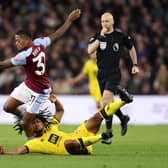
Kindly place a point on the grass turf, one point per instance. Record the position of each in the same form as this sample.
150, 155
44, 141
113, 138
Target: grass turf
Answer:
142, 147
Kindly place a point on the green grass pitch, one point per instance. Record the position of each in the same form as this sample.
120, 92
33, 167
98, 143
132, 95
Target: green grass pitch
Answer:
142, 147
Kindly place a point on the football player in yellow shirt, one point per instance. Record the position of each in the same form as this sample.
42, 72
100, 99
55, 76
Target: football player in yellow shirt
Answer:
49, 140
90, 70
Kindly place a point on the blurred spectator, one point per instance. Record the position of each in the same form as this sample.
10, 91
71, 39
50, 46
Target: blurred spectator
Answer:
145, 21
161, 80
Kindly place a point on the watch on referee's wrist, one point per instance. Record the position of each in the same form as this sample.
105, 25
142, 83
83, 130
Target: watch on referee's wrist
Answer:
135, 65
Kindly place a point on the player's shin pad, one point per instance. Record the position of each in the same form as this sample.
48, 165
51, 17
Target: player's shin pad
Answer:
110, 109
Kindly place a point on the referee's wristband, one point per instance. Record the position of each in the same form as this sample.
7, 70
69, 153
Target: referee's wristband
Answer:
100, 38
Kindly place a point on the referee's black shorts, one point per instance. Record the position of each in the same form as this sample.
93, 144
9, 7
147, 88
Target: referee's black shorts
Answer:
108, 80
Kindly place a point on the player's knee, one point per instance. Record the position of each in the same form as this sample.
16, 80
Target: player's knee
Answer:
7, 108
96, 118
71, 146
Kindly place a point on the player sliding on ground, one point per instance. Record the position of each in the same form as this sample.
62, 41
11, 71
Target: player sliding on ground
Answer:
48, 139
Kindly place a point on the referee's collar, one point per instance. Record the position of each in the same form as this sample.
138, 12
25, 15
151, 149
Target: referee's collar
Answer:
109, 33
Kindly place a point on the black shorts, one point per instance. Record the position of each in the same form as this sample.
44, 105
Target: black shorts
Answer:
108, 80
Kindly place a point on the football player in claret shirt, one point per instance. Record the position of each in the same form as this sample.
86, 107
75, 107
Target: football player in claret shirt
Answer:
36, 87
49, 139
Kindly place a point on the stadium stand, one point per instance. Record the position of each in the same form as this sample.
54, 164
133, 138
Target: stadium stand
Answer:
145, 21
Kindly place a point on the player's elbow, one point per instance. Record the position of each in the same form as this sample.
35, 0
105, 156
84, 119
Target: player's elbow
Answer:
90, 50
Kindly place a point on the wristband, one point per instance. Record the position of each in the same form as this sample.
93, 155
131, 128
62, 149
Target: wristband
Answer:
135, 65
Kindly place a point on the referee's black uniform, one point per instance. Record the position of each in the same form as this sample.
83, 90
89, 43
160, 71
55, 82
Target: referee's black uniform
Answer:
108, 53
108, 57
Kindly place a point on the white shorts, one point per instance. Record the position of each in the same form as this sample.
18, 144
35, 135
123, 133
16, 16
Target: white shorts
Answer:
34, 100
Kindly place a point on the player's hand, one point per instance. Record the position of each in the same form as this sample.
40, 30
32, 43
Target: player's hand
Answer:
135, 70
1, 149
52, 98
75, 14
103, 31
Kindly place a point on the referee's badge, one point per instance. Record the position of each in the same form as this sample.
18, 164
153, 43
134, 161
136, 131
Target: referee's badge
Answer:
103, 45
116, 47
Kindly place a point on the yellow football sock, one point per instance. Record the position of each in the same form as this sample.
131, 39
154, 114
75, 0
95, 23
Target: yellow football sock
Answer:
111, 108
90, 140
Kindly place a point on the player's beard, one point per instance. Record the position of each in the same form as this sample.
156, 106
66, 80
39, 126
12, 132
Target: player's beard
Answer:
39, 133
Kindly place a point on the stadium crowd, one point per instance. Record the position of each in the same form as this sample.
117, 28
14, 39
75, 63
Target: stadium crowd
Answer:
145, 21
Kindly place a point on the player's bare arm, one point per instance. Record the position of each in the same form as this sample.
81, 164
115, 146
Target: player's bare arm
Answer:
76, 79
20, 150
59, 109
6, 64
135, 68
75, 14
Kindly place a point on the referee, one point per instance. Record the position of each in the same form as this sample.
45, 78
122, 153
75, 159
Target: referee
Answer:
108, 44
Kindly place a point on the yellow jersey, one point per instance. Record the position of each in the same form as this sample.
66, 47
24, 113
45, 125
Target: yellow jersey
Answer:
52, 141
90, 69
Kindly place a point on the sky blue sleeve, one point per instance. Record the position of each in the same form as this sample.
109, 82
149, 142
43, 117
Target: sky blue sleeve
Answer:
45, 41
20, 58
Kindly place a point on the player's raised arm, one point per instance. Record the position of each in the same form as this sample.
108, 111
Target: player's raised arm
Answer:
76, 79
6, 64
59, 109
75, 14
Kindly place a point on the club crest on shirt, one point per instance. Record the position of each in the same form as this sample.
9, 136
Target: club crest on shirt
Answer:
103, 45
116, 47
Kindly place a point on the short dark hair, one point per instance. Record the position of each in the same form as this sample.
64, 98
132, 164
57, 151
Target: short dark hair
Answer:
24, 33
